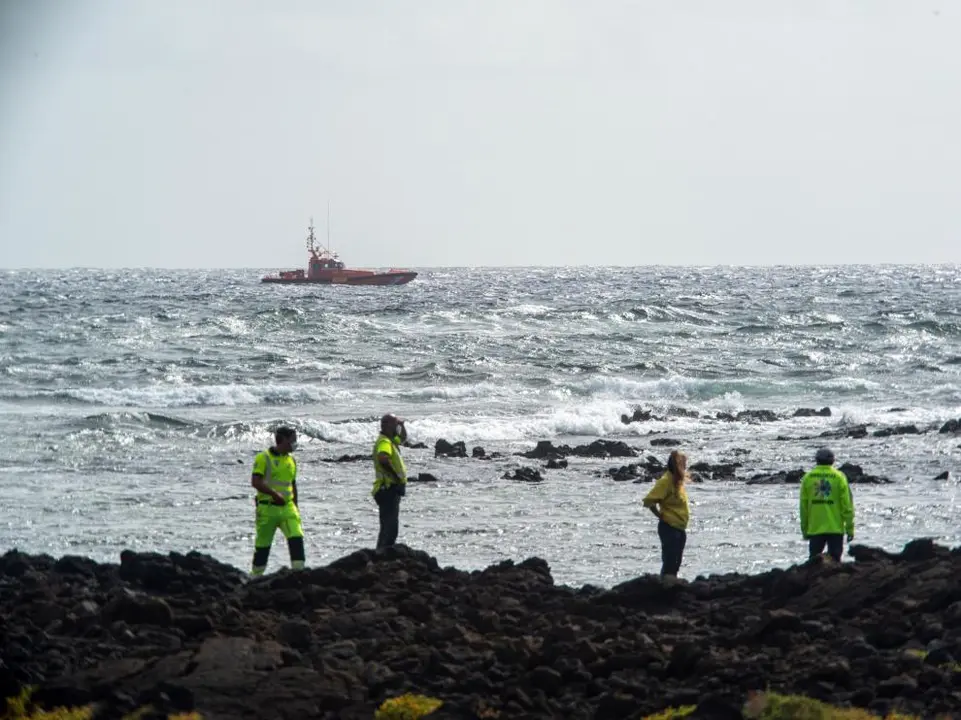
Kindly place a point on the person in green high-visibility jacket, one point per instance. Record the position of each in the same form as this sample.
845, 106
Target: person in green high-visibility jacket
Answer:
827, 507
274, 477
390, 477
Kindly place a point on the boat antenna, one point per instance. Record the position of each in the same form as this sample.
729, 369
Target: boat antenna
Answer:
328, 227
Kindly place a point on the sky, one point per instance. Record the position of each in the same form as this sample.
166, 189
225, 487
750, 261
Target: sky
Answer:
207, 133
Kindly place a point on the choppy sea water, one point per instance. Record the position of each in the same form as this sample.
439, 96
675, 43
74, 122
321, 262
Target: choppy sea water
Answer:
132, 403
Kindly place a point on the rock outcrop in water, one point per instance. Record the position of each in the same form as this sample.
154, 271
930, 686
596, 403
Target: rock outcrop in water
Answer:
652, 468
443, 448
951, 426
859, 431
524, 474
854, 474
665, 442
186, 632
597, 449
639, 415
346, 459
811, 412
897, 430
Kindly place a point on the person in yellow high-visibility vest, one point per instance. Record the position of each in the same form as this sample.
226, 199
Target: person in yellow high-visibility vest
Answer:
275, 478
390, 477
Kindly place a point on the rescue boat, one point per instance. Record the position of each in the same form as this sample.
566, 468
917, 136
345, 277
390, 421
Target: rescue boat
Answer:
324, 267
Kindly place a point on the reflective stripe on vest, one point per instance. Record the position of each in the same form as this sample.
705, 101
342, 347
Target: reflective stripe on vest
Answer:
286, 489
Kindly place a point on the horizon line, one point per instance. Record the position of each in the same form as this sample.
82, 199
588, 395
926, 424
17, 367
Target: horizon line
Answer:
499, 267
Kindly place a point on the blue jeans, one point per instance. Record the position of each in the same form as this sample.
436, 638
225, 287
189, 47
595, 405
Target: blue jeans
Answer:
672, 547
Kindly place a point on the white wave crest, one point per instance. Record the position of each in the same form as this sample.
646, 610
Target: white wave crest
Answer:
178, 395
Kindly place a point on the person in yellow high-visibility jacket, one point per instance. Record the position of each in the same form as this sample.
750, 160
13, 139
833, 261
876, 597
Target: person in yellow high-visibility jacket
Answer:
827, 507
390, 477
275, 478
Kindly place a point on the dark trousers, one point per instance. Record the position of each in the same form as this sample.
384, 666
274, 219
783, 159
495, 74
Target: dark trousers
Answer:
672, 547
835, 545
388, 502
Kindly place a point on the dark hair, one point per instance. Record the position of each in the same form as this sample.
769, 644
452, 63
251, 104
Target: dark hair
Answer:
676, 476
284, 433
387, 421
824, 456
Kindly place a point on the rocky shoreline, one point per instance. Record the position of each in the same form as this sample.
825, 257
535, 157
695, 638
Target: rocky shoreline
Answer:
185, 632
646, 467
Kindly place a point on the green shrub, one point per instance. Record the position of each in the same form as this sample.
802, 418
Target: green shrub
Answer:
407, 707
23, 708
771, 706
673, 713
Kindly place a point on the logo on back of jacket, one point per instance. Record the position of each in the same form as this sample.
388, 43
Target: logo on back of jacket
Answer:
822, 493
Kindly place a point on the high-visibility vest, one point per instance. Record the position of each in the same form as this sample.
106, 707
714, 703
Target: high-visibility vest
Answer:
280, 472
382, 478
827, 507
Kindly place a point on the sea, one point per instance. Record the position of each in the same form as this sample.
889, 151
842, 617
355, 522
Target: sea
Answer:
132, 404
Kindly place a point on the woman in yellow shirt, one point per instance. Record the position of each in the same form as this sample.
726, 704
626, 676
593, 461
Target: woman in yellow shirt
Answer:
668, 501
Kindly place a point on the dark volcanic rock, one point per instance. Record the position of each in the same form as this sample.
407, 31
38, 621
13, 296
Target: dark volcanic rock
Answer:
857, 432
554, 464
479, 453
811, 412
646, 471
442, 448
176, 573
899, 430
597, 449
787, 476
423, 477
525, 474
752, 416
854, 474
336, 641
137, 609
638, 415
546, 449
605, 448
946, 475
951, 426
665, 442
720, 471
346, 459
632, 472
756, 416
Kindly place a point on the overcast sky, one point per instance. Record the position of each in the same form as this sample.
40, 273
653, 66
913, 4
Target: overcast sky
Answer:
196, 133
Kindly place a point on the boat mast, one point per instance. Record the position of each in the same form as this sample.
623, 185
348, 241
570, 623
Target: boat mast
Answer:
328, 227
310, 235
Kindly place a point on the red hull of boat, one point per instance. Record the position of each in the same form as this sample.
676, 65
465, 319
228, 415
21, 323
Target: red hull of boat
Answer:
349, 278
